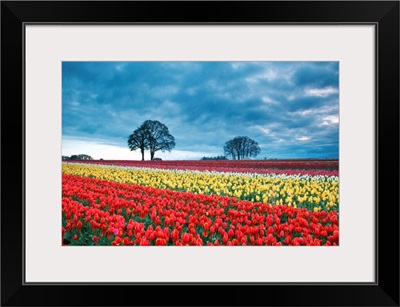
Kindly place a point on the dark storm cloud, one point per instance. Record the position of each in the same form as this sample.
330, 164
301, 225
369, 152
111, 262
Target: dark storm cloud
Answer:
289, 108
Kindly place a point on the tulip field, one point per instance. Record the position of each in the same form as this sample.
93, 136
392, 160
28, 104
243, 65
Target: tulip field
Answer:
200, 203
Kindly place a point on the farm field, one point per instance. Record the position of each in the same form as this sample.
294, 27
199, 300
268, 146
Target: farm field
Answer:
202, 203
289, 167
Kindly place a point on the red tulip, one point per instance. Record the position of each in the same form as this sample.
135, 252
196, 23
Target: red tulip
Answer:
186, 238
160, 241
117, 241
249, 223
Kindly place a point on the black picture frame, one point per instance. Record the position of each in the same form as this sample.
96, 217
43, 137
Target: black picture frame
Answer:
383, 14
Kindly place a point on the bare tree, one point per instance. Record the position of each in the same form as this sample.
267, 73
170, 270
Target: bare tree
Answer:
158, 137
139, 140
241, 147
151, 135
229, 149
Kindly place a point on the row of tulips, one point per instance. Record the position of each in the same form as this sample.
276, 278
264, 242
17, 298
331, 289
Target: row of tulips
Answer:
313, 193
101, 212
289, 163
219, 166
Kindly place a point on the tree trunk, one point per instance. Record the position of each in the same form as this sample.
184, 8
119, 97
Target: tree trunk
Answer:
142, 150
152, 155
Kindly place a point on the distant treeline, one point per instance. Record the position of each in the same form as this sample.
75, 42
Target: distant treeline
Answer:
77, 157
214, 158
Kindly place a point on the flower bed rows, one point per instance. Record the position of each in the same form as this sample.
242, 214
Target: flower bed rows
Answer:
302, 167
102, 212
313, 193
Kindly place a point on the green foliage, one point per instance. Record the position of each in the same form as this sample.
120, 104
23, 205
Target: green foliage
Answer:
77, 157
215, 158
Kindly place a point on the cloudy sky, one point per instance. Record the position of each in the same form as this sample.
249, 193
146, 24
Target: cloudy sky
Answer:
290, 108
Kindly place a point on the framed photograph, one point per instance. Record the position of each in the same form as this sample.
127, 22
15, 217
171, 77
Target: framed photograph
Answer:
241, 146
